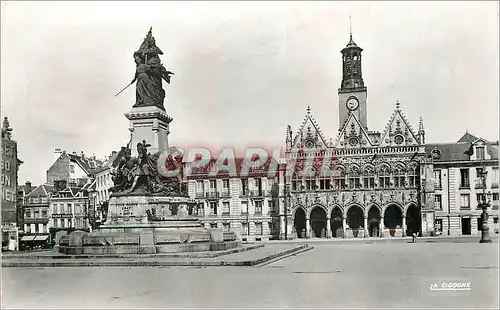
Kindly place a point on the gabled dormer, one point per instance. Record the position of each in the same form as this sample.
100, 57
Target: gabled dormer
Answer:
479, 150
398, 131
309, 135
353, 134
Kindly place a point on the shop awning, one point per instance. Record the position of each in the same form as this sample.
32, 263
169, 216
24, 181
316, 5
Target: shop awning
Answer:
28, 238
41, 238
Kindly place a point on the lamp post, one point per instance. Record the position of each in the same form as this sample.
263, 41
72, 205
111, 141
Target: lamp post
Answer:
287, 204
485, 232
248, 212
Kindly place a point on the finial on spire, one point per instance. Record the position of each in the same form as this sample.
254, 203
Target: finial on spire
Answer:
421, 124
397, 105
308, 110
350, 27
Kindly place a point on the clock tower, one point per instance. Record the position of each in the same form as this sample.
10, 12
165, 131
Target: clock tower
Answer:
352, 91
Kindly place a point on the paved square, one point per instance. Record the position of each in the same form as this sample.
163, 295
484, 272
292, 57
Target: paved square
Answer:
330, 275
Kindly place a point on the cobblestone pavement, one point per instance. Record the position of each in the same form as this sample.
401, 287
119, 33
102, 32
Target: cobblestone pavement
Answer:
331, 275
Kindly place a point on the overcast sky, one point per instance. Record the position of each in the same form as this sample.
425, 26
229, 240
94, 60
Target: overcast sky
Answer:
243, 70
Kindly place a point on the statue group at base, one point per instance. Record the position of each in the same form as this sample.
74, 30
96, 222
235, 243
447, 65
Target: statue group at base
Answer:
140, 175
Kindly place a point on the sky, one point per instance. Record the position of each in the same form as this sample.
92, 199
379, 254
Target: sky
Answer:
243, 70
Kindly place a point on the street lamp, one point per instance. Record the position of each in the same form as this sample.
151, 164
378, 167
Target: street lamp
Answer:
485, 232
287, 204
248, 212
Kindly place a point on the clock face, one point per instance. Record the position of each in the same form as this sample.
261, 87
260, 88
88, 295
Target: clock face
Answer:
352, 103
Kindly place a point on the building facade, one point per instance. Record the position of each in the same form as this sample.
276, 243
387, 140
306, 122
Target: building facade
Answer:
242, 204
69, 207
36, 214
75, 169
459, 187
9, 205
363, 183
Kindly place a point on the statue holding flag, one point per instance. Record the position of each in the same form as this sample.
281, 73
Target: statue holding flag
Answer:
149, 74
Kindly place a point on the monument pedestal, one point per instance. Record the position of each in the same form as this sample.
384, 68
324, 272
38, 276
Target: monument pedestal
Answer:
148, 225
150, 124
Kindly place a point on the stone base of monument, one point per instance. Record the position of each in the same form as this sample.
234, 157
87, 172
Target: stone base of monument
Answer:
148, 225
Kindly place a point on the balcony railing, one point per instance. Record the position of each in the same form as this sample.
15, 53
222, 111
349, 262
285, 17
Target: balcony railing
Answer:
32, 220
479, 183
212, 194
257, 193
464, 207
200, 195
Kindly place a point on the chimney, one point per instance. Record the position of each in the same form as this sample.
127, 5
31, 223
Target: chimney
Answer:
27, 187
57, 154
82, 155
74, 153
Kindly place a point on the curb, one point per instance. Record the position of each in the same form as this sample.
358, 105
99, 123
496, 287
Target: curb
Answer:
65, 263
159, 255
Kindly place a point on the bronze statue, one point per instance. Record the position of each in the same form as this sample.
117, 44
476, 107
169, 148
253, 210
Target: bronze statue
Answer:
139, 175
149, 75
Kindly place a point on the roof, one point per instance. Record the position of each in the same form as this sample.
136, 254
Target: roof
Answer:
41, 191
88, 164
239, 163
461, 150
467, 137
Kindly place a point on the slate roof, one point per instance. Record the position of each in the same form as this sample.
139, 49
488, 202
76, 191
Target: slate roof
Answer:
461, 150
88, 164
41, 191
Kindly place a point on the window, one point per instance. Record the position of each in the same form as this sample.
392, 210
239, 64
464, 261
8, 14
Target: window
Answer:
226, 227
28, 214
70, 223
37, 214
437, 179
225, 207
201, 209
213, 185
54, 223
464, 178
480, 153
44, 229
480, 198
213, 225
71, 168
439, 224
479, 178
368, 178
294, 185
494, 177
37, 228
399, 178
44, 214
354, 178
384, 178
258, 229
258, 207
437, 202
225, 184
244, 229
244, 207
258, 185
244, 186
213, 208
465, 201
495, 197
68, 209
200, 187
322, 185
310, 185
412, 177
339, 179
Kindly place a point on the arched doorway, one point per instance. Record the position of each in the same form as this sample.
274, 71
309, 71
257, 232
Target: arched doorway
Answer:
336, 223
318, 222
300, 223
413, 221
393, 218
374, 221
355, 220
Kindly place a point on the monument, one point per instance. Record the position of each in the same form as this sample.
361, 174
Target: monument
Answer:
149, 210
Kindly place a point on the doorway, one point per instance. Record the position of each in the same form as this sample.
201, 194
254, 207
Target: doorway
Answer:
466, 229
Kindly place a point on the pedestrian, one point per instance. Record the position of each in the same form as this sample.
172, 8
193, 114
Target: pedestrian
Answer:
414, 237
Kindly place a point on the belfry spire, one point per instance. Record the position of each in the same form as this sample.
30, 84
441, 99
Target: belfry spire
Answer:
350, 27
